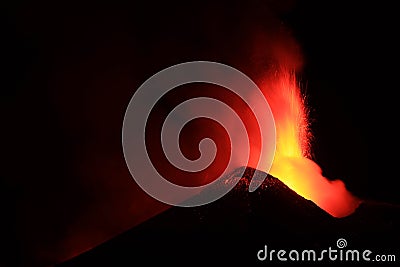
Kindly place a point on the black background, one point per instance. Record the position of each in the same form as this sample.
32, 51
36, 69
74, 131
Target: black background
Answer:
69, 64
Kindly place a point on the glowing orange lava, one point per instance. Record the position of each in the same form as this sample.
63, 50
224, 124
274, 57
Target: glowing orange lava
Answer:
292, 163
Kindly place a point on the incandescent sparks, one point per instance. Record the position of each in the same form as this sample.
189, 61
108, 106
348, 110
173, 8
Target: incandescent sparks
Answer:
292, 163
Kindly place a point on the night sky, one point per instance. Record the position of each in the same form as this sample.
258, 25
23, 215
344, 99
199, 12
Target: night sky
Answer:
72, 68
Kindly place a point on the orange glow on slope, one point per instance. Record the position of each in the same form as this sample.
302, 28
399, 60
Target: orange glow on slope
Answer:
291, 163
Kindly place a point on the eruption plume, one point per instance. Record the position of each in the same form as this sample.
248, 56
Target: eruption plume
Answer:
292, 163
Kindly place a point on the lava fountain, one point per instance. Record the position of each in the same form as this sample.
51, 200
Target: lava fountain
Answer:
292, 162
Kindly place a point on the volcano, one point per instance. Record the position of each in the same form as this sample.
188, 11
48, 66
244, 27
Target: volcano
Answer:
232, 229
